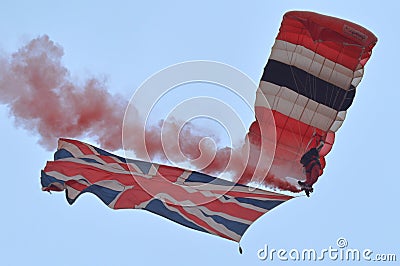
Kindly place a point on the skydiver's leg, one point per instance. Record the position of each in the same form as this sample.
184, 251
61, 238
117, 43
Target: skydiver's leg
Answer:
306, 188
312, 176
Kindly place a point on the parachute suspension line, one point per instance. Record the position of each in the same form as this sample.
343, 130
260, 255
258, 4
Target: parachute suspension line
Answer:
311, 139
299, 141
311, 86
317, 138
337, 93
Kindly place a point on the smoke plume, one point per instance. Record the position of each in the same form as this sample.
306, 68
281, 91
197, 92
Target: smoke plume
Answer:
43, 98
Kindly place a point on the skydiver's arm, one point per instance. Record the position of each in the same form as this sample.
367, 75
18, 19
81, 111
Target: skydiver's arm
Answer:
321, 144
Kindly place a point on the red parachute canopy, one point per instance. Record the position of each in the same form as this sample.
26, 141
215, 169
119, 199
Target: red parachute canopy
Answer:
308, 84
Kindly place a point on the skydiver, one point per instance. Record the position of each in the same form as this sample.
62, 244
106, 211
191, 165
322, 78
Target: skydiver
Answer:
312, 168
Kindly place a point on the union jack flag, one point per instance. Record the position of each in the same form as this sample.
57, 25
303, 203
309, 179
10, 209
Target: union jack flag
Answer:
192, 199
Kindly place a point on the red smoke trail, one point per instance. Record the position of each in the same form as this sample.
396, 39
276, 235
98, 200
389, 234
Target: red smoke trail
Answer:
244, 163
42, 97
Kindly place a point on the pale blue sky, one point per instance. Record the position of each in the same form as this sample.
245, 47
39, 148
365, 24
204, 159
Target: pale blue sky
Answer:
127, 42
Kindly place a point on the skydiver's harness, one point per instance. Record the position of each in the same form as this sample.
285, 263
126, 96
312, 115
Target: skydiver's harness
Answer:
310, 159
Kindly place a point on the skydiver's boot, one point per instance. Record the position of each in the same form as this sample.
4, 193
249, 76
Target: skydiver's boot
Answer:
308, 190
306, 187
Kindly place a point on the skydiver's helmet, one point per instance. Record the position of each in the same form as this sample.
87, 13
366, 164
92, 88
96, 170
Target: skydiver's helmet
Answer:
309, 156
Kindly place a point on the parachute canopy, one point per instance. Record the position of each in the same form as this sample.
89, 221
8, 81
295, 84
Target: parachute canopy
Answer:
309, 82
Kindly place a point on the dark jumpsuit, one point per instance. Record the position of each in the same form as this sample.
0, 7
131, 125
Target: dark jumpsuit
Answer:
312, 166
